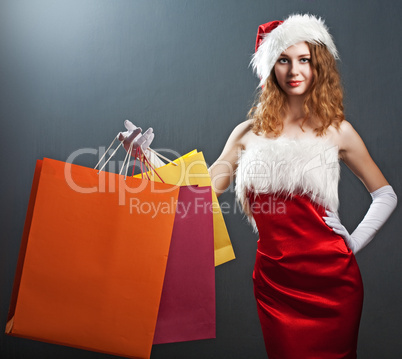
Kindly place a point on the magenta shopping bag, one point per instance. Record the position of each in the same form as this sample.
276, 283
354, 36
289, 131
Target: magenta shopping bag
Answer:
187, 307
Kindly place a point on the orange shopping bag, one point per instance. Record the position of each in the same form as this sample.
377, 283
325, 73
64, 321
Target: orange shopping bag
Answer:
92, 260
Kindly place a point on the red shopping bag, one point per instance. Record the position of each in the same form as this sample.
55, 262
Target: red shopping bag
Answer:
187, 308
92, 260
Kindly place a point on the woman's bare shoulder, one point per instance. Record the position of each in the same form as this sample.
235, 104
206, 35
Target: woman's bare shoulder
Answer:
346, 129
242, 132
244, 127
342, 135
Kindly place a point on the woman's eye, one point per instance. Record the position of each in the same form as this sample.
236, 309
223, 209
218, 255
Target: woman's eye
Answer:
283, 61
304, 61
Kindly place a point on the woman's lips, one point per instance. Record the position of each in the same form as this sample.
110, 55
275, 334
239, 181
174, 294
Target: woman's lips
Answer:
294, 83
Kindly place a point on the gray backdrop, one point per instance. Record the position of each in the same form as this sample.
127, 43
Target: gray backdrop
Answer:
73, 70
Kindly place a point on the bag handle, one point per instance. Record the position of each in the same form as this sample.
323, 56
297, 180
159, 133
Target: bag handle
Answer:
144, 161
139, 154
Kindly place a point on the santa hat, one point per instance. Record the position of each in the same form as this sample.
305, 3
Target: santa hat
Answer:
276, 36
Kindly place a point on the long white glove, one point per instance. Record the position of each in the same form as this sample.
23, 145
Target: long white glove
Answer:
384, 203
134, 138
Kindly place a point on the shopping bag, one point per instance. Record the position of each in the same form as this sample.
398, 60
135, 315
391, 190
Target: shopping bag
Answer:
187, 307
191, 169
92, 260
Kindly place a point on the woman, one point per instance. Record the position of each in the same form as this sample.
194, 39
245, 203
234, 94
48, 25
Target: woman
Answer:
306, 280
285, 158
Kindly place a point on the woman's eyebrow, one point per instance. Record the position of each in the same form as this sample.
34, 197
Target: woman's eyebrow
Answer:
284, 55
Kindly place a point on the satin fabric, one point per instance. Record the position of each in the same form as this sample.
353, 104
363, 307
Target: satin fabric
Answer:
307, 282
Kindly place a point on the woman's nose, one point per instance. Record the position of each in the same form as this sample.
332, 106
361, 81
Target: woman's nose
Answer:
293, 68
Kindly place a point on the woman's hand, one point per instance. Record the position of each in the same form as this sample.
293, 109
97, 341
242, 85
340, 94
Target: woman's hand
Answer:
132, 138
384, 203
334, 222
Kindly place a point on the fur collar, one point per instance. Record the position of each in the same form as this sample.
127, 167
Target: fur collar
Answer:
289, 166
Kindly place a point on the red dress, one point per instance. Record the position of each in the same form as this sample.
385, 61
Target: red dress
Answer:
307, 283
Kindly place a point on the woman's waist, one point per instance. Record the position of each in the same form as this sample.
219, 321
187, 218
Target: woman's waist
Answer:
292, 223
278, 215
277, 205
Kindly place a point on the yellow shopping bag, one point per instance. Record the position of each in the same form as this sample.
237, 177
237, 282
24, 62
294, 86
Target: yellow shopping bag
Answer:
191, 169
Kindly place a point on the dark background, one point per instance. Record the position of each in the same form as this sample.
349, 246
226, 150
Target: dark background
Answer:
71, 71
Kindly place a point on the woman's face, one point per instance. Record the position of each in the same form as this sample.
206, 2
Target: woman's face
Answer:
293, 70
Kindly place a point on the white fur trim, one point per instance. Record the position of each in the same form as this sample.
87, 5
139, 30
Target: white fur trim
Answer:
289, 166
294, 29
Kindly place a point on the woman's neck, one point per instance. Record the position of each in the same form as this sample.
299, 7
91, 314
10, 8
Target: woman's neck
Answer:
295, 111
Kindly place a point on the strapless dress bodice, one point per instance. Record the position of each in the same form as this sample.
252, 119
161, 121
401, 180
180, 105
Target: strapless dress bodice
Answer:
286, 166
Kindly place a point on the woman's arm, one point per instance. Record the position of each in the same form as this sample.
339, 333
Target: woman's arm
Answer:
356, 156
223, 169
354, 153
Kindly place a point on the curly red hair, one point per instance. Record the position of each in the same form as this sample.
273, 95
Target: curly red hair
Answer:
324, 100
